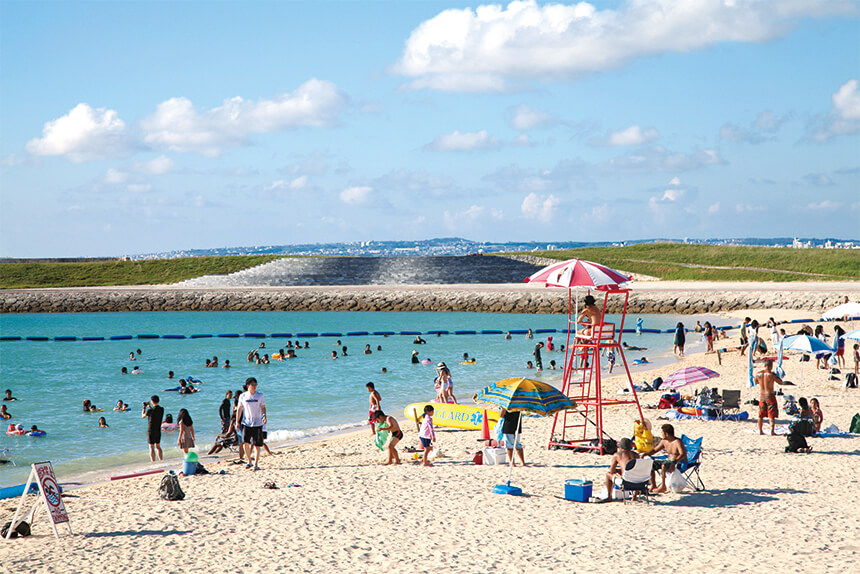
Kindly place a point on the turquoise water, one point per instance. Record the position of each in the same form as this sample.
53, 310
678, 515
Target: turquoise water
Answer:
305, 396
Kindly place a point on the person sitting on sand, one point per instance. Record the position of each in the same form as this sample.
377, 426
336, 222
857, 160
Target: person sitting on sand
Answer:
674, 447
391, 425
767, 404
622, 456
9, 396
103, 423
226, 439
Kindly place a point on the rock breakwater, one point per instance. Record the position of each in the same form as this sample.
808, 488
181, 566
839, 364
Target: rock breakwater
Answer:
651, 298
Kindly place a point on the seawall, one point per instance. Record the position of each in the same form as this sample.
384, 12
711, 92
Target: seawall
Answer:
646, 297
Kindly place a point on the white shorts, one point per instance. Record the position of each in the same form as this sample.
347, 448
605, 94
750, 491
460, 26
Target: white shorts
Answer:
510, 440
447, 386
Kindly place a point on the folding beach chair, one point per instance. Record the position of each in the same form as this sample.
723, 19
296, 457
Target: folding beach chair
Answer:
636, 478
731, 402
690, 468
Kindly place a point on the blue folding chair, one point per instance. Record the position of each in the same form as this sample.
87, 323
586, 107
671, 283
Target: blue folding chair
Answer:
690, 468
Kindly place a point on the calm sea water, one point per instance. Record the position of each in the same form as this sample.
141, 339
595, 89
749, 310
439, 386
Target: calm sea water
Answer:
305, 396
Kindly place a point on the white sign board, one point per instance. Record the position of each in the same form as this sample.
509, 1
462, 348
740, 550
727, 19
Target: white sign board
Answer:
50, 491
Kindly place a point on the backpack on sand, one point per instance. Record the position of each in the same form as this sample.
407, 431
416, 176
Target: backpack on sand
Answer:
169, 488
855, 424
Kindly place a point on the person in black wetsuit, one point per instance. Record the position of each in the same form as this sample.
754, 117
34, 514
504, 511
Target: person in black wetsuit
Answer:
155, 413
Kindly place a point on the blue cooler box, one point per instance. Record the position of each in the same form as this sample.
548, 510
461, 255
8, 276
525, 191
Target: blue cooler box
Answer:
577, 489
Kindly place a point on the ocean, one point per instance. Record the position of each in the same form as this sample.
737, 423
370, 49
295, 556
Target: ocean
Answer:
306, 396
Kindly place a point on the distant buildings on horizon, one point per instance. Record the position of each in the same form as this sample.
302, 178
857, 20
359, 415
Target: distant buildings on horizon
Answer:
459, 246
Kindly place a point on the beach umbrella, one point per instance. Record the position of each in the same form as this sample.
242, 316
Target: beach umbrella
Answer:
578, 273
804, 344
687, 376
525, 396
850, 309
855, 334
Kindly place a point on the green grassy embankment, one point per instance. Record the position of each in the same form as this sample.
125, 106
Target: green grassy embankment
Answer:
117, 272
682, 262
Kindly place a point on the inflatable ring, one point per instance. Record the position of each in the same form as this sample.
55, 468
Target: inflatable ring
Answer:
36, 433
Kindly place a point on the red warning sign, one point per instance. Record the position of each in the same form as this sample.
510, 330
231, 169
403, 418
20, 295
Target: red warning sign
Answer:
51, 491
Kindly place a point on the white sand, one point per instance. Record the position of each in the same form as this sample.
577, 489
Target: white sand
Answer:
762, 510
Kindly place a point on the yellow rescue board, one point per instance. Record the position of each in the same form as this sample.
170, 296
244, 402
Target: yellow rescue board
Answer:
453, 416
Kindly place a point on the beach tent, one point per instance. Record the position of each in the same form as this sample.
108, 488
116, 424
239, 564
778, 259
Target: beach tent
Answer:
850, 309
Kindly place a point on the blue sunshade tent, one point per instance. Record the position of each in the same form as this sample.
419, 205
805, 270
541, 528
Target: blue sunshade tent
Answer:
803, 343
525, 396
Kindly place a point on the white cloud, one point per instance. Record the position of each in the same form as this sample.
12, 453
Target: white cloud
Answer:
675, 181
818, 180
714, 208
115, 176
846, 101
761, 129
139, 187
524, 118
358, 195
84, 134
538, 207
747, 208
281, 184
657, 158
634, 135
471, 216
178, 126
844, 117
157, 166
599, 213
825, 205
466, 141
482, 49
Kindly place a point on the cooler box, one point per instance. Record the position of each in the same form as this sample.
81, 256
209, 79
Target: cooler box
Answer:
495, 456
577, 489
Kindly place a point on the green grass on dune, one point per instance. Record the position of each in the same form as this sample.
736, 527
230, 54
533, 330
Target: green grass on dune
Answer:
667, 261
102, 273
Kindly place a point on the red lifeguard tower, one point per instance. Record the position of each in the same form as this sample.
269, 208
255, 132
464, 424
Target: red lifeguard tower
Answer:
582, 378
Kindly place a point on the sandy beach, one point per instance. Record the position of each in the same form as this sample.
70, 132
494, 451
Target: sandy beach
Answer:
762, 508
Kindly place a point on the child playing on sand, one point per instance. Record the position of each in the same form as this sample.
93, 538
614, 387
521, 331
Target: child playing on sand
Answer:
427, 434
375, 399
393, 427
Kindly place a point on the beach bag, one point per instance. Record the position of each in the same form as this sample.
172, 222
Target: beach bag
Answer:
850, 381
23, 529
169, 488
675, 481
855, 424
657, 382
666, 402
609, 445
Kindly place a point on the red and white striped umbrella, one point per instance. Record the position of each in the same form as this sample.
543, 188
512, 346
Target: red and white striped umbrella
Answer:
687, 376
579, 273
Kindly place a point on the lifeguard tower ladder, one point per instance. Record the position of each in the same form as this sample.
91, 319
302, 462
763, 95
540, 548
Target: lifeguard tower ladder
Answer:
582, 380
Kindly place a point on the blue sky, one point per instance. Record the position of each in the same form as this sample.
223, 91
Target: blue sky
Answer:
132, 127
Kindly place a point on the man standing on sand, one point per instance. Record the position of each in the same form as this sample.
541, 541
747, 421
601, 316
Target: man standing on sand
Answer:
252, 412
155, 413
767, 405
677, 452
225, 411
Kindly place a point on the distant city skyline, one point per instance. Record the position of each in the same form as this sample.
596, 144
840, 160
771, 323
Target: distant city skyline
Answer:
147, 127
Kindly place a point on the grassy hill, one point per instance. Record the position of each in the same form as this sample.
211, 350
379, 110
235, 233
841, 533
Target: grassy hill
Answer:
681, 262
117, 272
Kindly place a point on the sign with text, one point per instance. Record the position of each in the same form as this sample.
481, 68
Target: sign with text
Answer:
50, 491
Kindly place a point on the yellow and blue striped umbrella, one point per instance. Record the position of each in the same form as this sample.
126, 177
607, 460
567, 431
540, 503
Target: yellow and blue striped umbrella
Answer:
526, 395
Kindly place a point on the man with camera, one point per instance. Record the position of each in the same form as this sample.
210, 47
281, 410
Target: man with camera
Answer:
155, 414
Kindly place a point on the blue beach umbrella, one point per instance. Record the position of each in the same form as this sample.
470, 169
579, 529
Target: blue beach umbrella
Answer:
525, 396
803, 343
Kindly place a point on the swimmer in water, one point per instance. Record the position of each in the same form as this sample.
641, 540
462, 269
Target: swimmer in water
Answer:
4, 414
9, 396
136, 371
170, 374
367, 350
131, 356
334, 354
633, 348
103, 423
123, 371
118, 406
226, 364
529, 365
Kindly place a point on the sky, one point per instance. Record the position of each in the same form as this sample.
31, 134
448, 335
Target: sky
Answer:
132, 127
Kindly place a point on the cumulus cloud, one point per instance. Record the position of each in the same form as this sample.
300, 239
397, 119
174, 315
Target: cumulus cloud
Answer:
178, 125
300, 182
466, 141
84, 134
471, 216
844, 117
115, 176
524, 118
358, 195
634, 135
157, 166
483, 49
538, 207
659, 159
760, 130
825, 205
